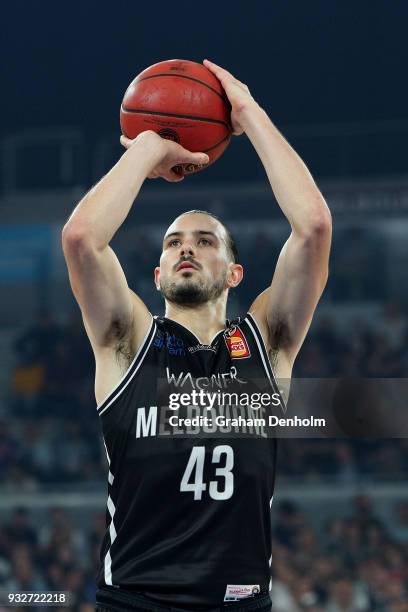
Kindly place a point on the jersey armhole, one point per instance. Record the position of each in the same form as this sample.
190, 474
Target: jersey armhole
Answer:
130, 372
256, 333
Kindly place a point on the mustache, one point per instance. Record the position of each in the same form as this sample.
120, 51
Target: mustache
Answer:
187, 259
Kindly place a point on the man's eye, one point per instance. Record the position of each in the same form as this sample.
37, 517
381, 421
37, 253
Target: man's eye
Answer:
174, 242
204, 241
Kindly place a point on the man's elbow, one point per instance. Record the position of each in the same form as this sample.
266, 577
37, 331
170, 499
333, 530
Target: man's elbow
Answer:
71, 239
315, 240
319, 226
75, 236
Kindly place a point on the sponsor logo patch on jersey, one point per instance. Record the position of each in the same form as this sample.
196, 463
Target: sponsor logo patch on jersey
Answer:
234, 592
236, 343
175, 346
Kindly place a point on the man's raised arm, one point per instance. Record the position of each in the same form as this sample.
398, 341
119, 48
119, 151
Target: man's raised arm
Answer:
109, 308
284, 310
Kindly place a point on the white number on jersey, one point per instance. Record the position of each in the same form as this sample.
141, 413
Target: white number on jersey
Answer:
196, 464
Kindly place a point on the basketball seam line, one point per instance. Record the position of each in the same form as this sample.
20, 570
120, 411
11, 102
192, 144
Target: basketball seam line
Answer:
150, 112
217, 145
183, 76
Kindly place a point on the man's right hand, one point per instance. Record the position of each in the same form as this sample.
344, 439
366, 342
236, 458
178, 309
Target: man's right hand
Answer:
166, 155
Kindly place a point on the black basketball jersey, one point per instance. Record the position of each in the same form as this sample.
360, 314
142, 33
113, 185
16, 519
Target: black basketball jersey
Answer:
188, 511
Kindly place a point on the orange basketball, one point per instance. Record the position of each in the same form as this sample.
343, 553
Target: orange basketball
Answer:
182, 101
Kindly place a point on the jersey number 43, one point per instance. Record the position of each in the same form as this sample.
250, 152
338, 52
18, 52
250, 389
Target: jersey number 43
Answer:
192, 481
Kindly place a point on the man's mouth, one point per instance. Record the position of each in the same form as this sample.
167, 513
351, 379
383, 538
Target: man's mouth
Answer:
186, 265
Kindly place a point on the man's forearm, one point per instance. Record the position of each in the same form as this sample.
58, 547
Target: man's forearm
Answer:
105, 207
291, 182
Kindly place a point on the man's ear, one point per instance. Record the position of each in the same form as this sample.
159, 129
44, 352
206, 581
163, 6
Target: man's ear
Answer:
157, 278
235, 275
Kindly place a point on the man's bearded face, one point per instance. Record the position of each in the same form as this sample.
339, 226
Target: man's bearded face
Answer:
194, 262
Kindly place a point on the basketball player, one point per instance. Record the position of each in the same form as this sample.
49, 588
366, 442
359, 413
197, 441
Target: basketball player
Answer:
188, 519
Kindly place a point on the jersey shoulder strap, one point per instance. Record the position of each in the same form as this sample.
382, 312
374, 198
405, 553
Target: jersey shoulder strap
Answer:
248, 323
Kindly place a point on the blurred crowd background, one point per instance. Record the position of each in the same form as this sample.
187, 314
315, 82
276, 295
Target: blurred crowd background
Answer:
329, 75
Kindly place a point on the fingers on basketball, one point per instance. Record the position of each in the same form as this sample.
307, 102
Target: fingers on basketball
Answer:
225, 77
221, 74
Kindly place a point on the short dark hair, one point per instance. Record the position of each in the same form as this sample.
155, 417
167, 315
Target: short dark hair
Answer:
230, 241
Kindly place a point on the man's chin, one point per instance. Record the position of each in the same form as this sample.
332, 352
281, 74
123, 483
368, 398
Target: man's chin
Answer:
188, 296
186, 279
185, 293
190, 292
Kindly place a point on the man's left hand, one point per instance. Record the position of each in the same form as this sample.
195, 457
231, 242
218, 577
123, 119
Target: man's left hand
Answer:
238, 94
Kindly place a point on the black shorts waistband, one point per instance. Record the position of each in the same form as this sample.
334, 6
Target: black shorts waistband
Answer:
121, 599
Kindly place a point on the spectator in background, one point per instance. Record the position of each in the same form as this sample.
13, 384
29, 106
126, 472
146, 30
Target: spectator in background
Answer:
317, 573
79, 348
73, 452
381, 359
26, 575
61, 542
284, 579
399, 526
39, 447
59, 391
289, 521
393, 324
305, 593
345, 596
357, 251
347, 471
20, 530
363, 509
139, 266
313, 362
37, 343
34, 348
257, 252
9, 450
399, 606
326, 334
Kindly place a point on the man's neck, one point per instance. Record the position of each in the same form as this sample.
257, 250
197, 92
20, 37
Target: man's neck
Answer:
205, 321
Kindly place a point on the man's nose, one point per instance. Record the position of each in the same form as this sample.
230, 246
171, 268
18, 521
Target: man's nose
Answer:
187, 249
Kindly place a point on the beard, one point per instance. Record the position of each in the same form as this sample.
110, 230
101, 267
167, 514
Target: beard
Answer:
191, 292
